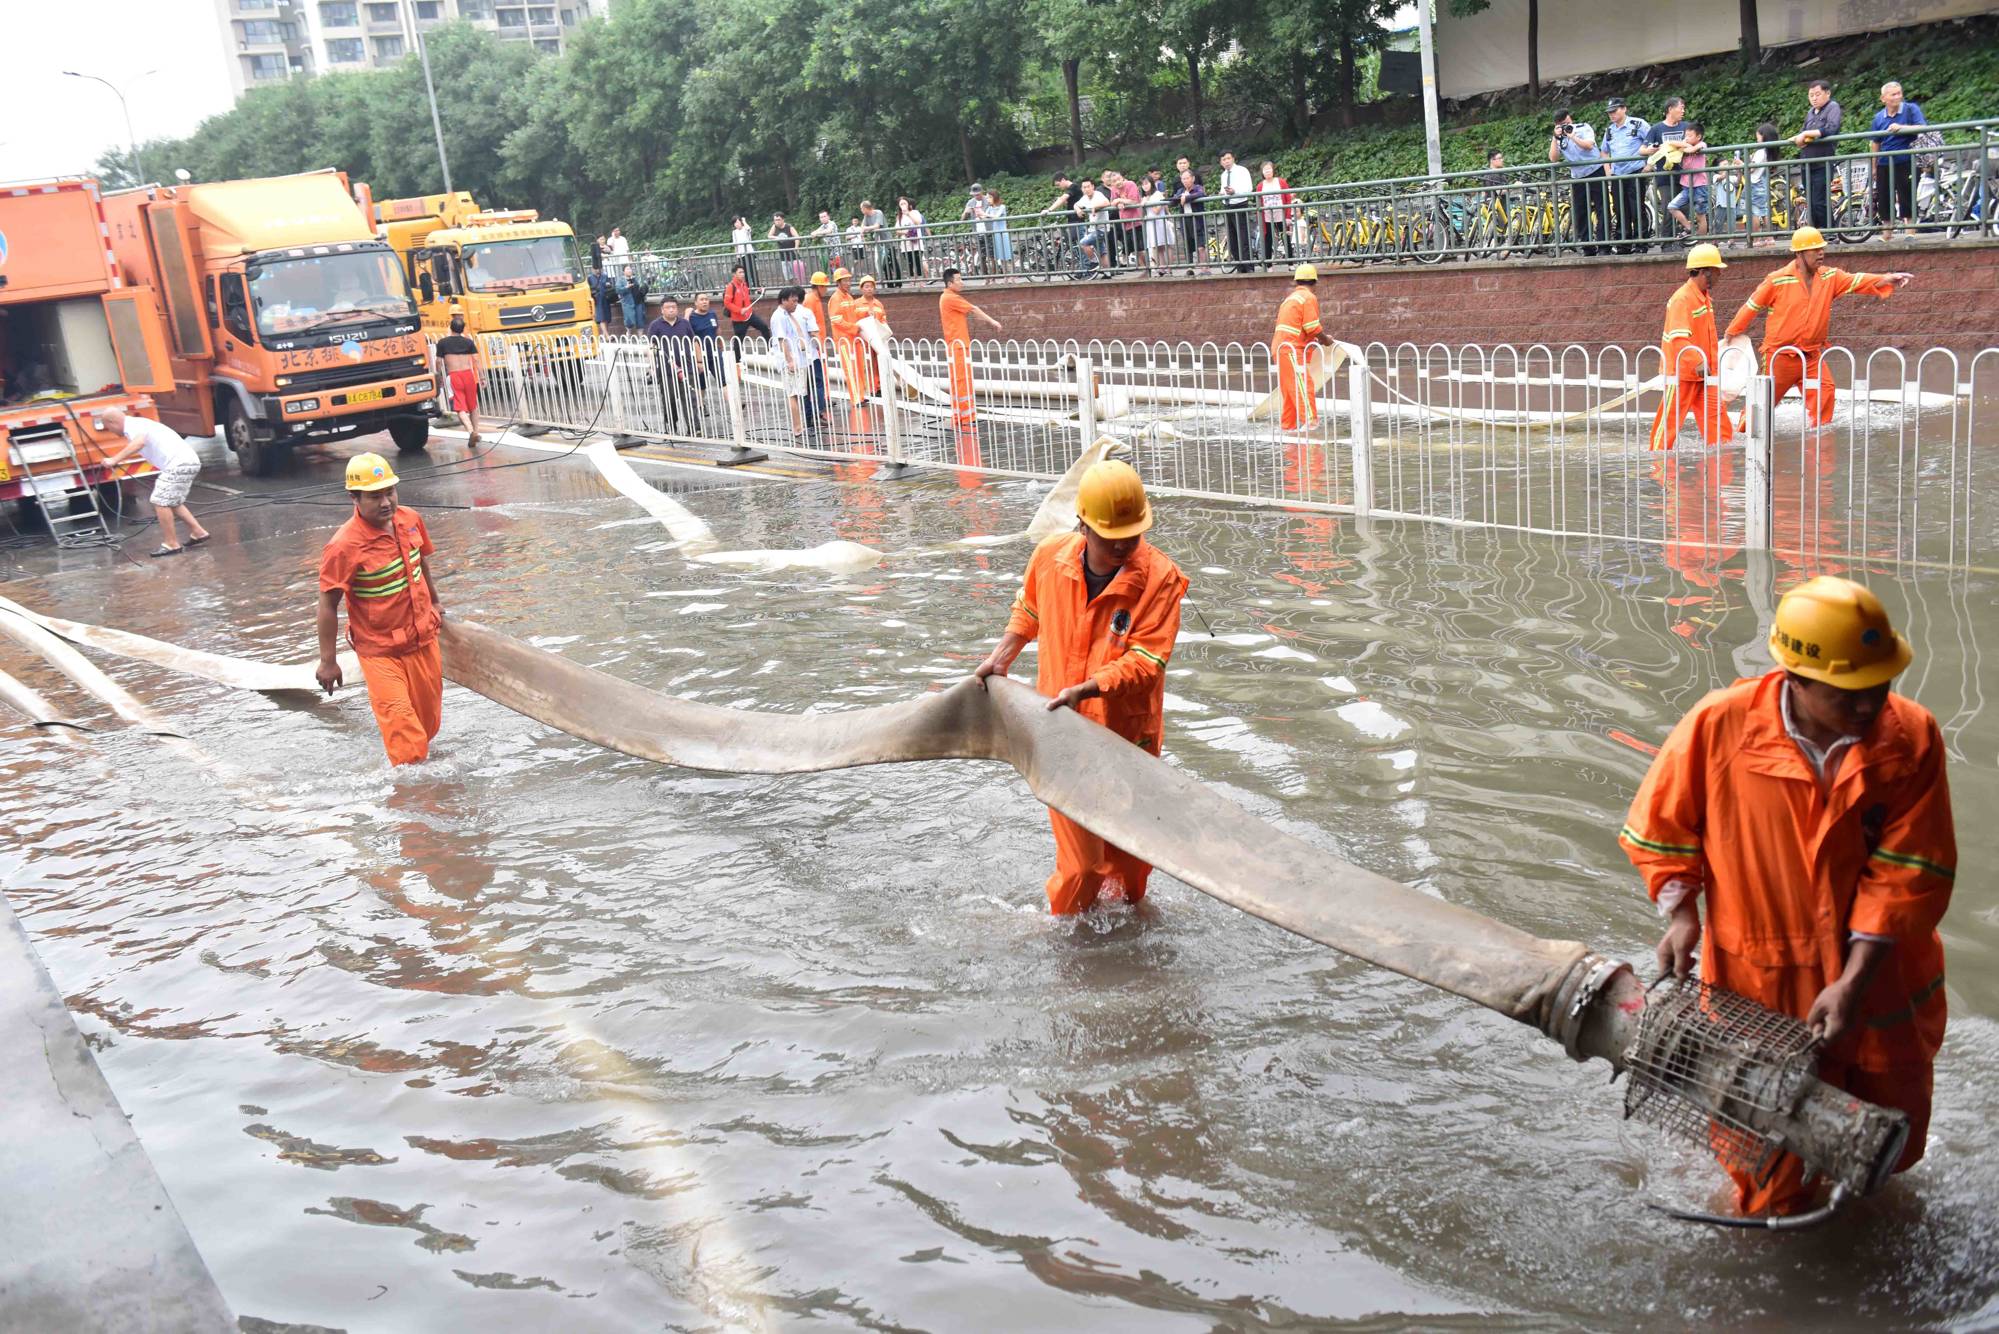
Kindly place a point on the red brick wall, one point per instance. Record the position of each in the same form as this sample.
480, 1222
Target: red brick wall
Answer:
1953, 302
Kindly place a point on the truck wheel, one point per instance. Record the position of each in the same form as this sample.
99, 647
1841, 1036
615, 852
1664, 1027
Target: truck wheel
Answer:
411, 434
254, 457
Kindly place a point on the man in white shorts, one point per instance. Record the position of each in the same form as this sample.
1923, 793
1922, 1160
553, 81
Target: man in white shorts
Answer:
794, 333
178, 464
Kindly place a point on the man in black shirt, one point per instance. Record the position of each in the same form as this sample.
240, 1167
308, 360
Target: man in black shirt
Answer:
1821, 122
459, 358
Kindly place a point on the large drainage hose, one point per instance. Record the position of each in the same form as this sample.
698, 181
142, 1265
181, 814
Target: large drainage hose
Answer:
1707, 1065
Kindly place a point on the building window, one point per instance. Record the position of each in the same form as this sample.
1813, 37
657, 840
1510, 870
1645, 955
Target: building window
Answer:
345, 51
339, 15
427, 10
541, 15
256, 6
268, 67
263, 32
568, 18
381, 13
475, 9
388, 48
551, 46
513, 18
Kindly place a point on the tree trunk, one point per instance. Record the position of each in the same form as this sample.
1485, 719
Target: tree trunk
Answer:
1301, 107
965, 151
1194, 88
1072, 80
1752, 35
1347, 59
1534, 49
789, 180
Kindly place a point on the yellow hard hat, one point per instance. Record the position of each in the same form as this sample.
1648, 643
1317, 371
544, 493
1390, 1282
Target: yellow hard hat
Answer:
369, 472
1304, 273
838, 274
1112, 501
819, 279
867, 279
1704, 256
1834, 630
1807, 238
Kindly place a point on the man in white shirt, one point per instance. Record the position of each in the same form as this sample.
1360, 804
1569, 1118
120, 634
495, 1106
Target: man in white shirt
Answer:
178, 465
1234, 186
618, 245
1092, 206
795, 333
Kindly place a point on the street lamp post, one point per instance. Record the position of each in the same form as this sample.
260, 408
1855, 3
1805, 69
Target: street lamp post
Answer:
430, 91
138, 167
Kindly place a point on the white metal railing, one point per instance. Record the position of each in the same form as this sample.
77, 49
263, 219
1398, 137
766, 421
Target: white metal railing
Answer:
1530, 438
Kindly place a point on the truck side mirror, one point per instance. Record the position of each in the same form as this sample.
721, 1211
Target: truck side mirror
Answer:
426, 288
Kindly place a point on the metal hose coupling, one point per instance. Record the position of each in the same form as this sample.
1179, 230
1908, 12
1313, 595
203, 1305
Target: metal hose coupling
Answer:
1714, 1068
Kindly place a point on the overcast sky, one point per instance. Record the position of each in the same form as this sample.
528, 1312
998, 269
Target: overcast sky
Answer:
57, 126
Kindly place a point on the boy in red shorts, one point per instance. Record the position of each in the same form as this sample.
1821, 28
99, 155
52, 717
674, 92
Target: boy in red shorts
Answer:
459, 356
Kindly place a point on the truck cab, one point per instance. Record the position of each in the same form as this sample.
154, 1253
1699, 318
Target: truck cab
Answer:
76, 337
511, 275
289, 320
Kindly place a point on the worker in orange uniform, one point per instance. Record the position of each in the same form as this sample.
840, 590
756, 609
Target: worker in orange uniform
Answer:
1809, 806
1290, 345
954, 312
377, 561
1105, 606
846, 311
815, 302
872, 308
1692, 357
1798, 299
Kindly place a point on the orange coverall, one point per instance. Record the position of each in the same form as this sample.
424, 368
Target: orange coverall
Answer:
1790, 870
952, 310
392, 622
1688, 338
1297, 332
872, 306
848, 311
816, 303
1800, 311
1121, 640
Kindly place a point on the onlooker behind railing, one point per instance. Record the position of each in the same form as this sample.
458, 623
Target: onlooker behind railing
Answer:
1576, 145
1624, 146
1124, 232
789, 267
615, 245
1662, 159
881, 248
746, 245
996, 234
1821, 121
974, 212
1894, 168
1235, 189
1190, 199
1158, 227
1690, 204
739, 300
910, 233
603, 295
1759, 181
632, 295
1092, 206
1278, 207
826, 238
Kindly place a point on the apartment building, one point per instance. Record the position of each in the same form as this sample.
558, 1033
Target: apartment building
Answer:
284, 39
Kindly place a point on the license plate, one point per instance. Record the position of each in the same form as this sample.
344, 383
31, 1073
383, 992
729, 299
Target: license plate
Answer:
6, 473
364, 396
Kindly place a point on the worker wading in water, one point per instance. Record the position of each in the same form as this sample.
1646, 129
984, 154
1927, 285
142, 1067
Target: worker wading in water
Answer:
846, 311
1297, 331
1692, 357
378, 561
870, 307
1104, 605
1809, 807
954, 313
1798, 299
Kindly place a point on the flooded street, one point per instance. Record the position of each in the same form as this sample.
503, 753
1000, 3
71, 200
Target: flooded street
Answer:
537, 1036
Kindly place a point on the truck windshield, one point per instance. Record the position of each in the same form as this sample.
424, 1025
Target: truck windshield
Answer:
294, 296
518, 266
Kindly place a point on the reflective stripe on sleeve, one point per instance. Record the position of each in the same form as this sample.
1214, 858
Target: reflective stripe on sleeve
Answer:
1630, 835
1909, 861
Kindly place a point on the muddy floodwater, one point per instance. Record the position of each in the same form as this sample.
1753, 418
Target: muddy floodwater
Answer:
537, 1037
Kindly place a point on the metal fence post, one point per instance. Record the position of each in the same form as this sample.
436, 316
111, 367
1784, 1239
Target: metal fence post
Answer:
732, 394
1360, 413
1086, 400
1759, 451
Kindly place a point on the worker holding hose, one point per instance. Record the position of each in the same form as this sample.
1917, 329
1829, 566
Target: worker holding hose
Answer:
1104, 605
1798, 299
1298, 330
1692, 357
1809, 807
378, 562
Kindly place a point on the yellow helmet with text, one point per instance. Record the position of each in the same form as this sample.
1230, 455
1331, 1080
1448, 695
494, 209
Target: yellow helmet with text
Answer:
1111, 500
1807, 238
1706, 255
1836, 631
369, 472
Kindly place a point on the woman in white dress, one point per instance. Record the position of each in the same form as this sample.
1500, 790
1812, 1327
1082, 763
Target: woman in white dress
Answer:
1158, 229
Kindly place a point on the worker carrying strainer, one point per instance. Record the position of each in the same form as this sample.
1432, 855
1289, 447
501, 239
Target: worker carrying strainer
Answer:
379, 562
1291, 347
1798, 299
1809, 808
1692, 357
1104, 605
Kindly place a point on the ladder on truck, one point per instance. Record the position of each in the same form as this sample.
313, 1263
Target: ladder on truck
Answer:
56, 492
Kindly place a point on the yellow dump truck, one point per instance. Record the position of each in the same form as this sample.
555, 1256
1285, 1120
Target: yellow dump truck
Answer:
506, 271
